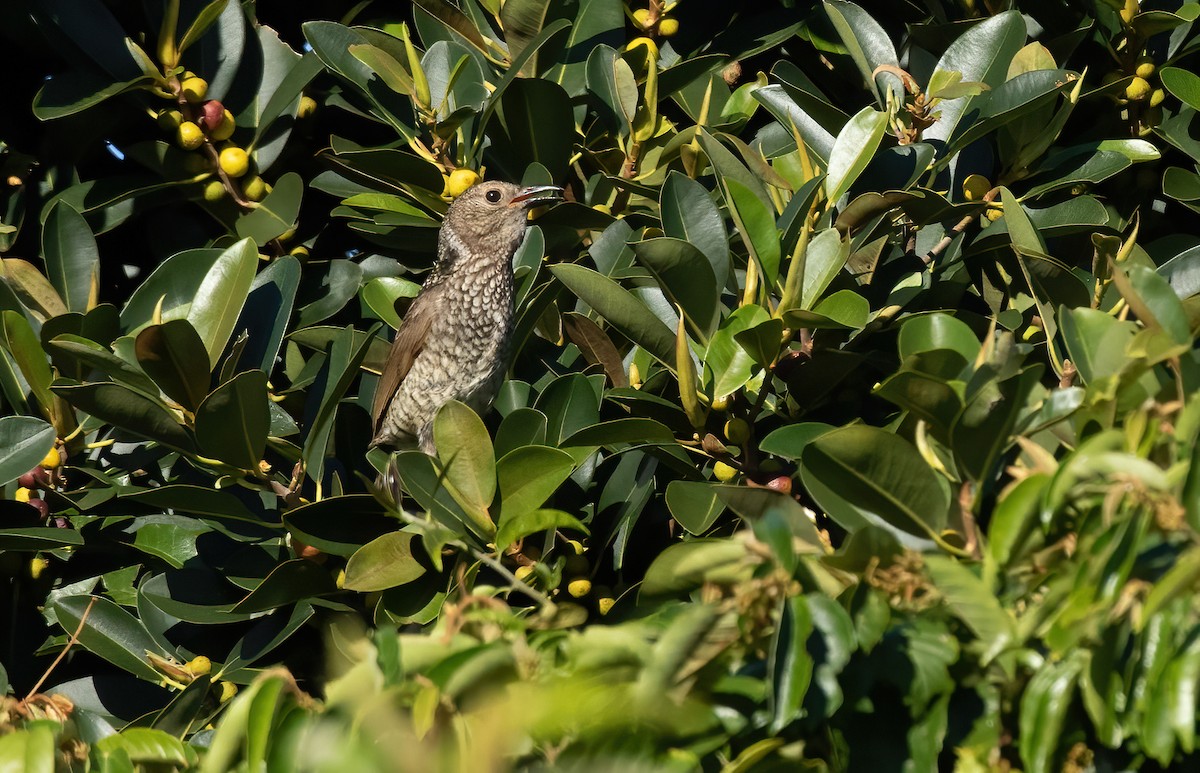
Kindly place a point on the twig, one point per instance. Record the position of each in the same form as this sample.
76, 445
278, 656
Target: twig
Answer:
70, 642
517, 584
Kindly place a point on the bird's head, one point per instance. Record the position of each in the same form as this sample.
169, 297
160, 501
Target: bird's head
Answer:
489, 219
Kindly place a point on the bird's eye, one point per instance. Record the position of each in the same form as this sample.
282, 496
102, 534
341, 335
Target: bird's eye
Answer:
492, 196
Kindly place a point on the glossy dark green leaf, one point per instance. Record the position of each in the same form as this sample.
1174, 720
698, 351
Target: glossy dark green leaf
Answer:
339, 525
694, 505
73, 92
1183, 84
128, 410
468, 460
110, 632
220, 297
928, 332
232, 423
291, 581
853, 149
22, 345
24, 442
689, 213
861, 475
726, 363
620, 308
686, 277
145, 746
789, 441
174, 356
789, 665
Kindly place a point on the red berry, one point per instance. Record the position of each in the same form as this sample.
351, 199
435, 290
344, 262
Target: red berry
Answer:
41, 506
212, 115
28, 480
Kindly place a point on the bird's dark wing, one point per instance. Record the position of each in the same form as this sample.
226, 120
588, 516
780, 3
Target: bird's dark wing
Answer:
408, 344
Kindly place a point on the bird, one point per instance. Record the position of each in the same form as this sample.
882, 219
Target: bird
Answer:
454, 342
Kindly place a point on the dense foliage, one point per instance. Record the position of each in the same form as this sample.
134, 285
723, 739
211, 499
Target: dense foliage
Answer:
852, 423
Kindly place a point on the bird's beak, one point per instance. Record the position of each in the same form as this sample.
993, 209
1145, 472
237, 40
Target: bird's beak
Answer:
538, 194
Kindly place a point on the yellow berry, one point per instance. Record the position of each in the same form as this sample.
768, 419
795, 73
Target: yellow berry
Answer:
225, 128
635, 375
975, 187
723, 472
579, 588
188, 136
641, 17
254, 188
1145, 67
169, 120
523, 572
228, 690
214, 191
1138, 89
308, 106
667, 27
199, 665
340, 581
234, 161
605, 604
721, 403
459, 180
737, 431
23, 494
994, 213
1156, 97
194, 89
37, 565
52, 460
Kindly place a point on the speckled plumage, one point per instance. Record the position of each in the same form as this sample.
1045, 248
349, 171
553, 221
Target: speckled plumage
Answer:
454, 342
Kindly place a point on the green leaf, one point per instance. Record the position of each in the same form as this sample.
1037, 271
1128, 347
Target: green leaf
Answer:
20, 342
689, 213
92, 355
972, 602
521, 21
1183, 84
930, 332
73, 92
869, 47
145, 746
204, 20
122, 407
852, 151
726, 363
981, 54
789, 666
688, 565
528, 476
274, 215
686, 278
24, 442
291, 581
694, 505
756, 223
533, 522
383, 64
220, 297
843, 309
862, 475
465, 449
620, 308
233, 422
823, 261
173, 355
1044, 707
110, 632
790, 441
384, 562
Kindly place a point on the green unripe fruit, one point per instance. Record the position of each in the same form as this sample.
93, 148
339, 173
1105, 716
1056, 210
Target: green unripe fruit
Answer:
1145, 67
1138, 89
194, 89
214, 191
308, 106
169, 120
522, 573
234, 161
579, 588
254, 188
667, 27
577, 566
723, 472
225, 128
737, 431
188, 136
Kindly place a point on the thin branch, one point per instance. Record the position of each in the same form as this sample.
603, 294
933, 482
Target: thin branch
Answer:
71, 642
